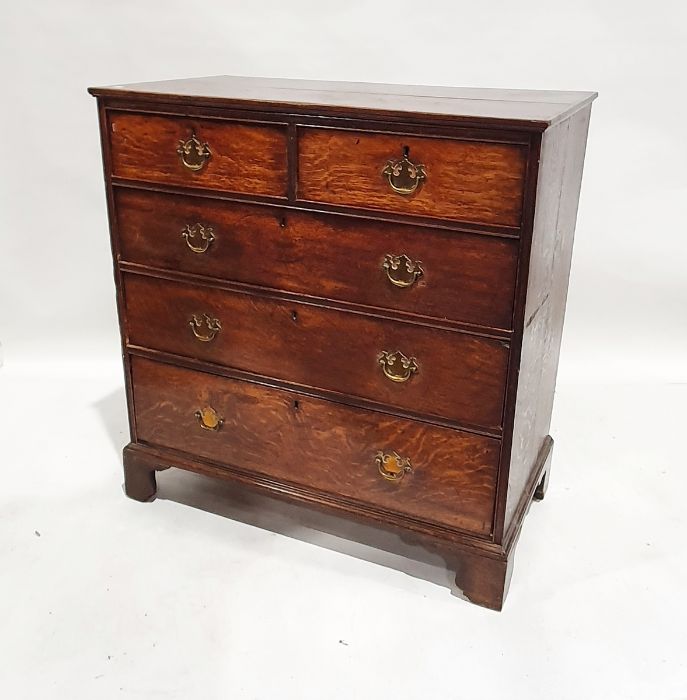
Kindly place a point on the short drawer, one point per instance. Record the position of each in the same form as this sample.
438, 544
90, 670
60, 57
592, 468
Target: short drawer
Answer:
448, 374
461, 180
448, 275
418, 470
215, 154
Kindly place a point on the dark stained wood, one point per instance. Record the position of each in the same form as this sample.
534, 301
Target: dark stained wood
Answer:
481, 576
320, 445
295, 193
246, 158
460, 377
483, 580
317, 392
378, 215
538, 472
117, 273
466, 277
397, 533
139, 477
524, 108
542, 486
468, 181
541, 317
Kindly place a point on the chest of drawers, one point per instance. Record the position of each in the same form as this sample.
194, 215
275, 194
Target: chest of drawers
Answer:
349, 296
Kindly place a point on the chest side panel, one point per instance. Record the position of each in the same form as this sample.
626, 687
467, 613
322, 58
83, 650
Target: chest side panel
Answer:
558, 189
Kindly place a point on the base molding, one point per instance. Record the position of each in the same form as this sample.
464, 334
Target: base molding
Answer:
482, 567
535, 490
482, 580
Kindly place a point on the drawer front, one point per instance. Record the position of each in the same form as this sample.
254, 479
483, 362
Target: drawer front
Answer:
463, 180
462, 277
243, 158
458, 377
319, 444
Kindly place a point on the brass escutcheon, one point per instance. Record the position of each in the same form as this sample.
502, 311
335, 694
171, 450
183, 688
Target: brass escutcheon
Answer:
396, 366
208, 418
401, 270
198, 237
404, 176
204, 327
392, 466
193, 153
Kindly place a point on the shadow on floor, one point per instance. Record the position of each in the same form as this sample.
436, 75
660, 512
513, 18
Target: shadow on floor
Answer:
244, 505
304, 524
112, 411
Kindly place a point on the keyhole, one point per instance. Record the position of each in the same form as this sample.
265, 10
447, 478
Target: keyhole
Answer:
294, 316
296, 405
282, 222
406, 151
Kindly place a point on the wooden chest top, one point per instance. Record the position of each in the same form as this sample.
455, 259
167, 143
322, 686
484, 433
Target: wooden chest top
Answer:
536, 109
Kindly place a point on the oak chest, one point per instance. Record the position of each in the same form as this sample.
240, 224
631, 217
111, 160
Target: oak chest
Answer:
350, 296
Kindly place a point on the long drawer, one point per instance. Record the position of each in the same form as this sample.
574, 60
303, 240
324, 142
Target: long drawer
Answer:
412, 468
242, 157
455, 376
445, 178
450, 275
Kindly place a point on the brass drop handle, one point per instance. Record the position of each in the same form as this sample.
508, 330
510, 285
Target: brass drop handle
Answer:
404, 176
204, 327
392, 466
396, 366
198, 237
208, 418
401, 270
193, 153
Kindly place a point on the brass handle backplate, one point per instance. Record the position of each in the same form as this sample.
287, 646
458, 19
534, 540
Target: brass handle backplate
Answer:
392, 466
198, 237
403, 175
208, 418
396, 366
193, 153
204, 327
401, 270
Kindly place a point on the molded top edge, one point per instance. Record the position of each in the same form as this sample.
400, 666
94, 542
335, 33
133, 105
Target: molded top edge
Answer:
529, 107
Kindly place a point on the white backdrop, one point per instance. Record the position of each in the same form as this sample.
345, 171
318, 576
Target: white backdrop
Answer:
627, 315
209, 607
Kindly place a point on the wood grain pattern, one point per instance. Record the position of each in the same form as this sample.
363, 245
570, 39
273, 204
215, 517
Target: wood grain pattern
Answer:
117, 274
303, 217
530, 109
460, 378
246, 158
467, 181
484, 580
467, 278
482, 568
320, 444
542, 316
